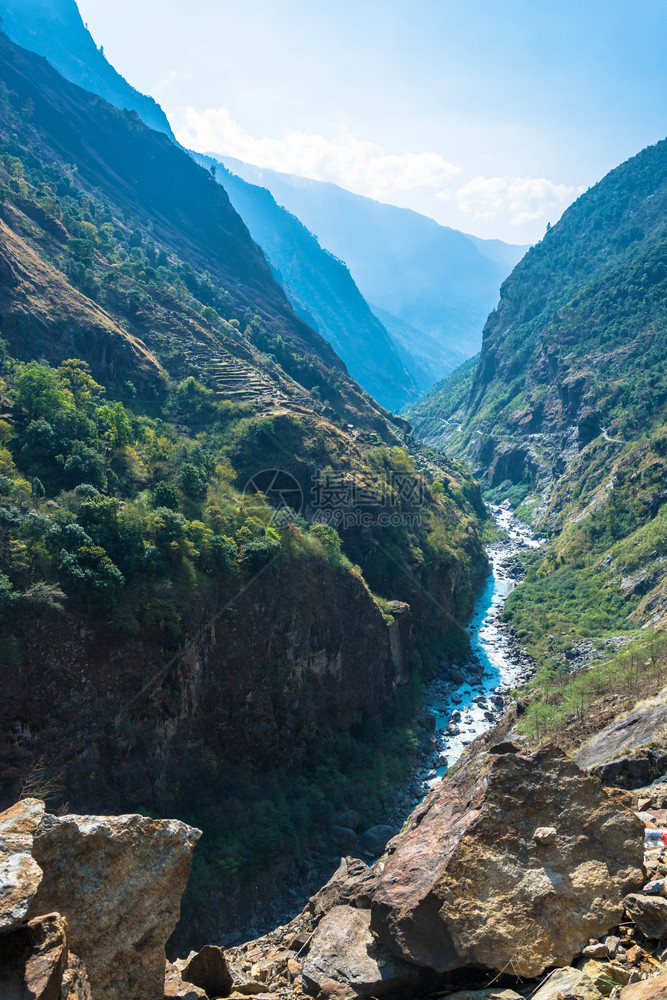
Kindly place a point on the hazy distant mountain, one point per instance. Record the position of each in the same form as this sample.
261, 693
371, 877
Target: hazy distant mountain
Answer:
506, 254
54, 29
441, 282
323, 293
427, 357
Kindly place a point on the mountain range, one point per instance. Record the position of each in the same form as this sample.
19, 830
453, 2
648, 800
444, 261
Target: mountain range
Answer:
231, 580
440, 282
430, 315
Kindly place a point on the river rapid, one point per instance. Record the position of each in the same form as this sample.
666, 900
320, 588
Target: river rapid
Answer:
471, 697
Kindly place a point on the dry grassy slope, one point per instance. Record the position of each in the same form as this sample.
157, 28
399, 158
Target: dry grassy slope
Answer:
143, 173
42, 315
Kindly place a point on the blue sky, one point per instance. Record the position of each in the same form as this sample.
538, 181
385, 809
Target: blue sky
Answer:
489, 116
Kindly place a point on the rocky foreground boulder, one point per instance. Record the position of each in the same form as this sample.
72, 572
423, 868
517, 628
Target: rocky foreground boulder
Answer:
99, 867
88, 903
346, 961
20, 874
513, 862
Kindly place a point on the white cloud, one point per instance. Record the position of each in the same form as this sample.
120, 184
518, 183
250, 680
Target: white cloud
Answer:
510, 207
514, 200
362, 166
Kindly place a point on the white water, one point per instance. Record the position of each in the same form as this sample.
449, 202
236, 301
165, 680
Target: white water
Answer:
503, 666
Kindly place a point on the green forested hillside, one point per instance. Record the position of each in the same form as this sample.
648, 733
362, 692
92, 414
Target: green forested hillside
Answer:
437, 415
566, 413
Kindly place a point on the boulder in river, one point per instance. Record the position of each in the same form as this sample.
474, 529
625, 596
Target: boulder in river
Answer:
344, 836
468, 883
491, 994
374, 840
348, 819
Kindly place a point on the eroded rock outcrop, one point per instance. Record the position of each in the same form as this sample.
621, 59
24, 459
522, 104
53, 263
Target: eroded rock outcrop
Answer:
470, 884
118, 881
629, 751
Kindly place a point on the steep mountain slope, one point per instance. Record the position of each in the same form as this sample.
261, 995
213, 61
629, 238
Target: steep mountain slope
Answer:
318, 286
147, 176
54, 29
172, 637
322, 291
566, 408
435, 279
437, 416
418, 349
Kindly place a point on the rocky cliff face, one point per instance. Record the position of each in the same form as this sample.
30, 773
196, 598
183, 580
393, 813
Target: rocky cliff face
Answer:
253, 682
